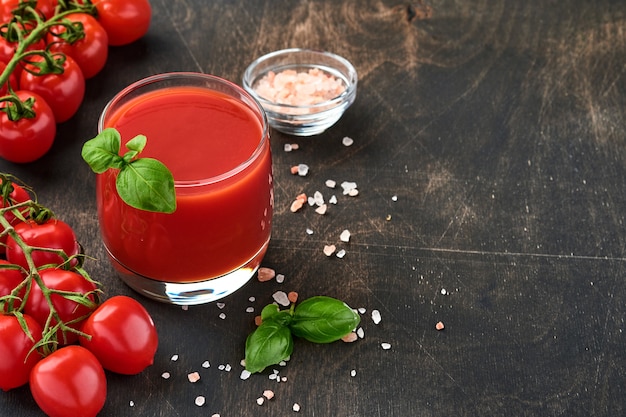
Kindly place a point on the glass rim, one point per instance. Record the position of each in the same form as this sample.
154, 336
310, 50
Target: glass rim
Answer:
182, 75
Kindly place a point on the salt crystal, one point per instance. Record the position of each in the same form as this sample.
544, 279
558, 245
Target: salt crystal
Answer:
131, 403
268, 393
185, 307
318, 198
341, 253
200, 400
228, 368
295, 206
311, 201
443, 291
272, 376
260, 400
206, 364
193, 377
250, 310
394, 198
296, 407
280, 278
221, 367
288, 147
281, 298
333, 200
252, 299
309, 231
295, 146
353, 192
165, 375
294, 169
439, 326
293, 296
362, 310
329, 249
347, 141
245, 374
331, 183
376, 318
220, 305
215, 415
385, 346
321, 209
222, 316
265, 274
360, 333
353, 373
174, 358
303, 169
347, 186
283, 379
350, 337
345, 236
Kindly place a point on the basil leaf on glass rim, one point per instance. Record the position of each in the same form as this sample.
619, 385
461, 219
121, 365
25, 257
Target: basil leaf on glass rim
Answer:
323, 319
269, 344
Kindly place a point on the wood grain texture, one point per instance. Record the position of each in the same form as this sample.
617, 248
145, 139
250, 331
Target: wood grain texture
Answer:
489, 153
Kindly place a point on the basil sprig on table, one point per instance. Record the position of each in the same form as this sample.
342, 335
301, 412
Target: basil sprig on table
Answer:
318, 319
143, 183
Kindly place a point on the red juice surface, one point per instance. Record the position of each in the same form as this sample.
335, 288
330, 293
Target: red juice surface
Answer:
217, 226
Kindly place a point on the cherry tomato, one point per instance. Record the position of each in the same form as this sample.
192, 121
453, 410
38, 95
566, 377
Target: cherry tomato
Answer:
9, 280
7, 50
63, 92
68, 310
69, 382
12, 81
123, 335
18, 195
52, 234
124, 20
27, 139
46, 7
15, 345
89, 52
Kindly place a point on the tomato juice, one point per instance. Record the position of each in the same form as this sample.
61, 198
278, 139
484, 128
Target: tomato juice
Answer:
219, 153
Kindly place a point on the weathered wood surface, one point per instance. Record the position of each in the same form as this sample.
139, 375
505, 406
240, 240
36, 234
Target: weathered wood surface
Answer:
490, 158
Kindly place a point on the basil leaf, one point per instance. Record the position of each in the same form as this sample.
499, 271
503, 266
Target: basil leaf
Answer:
147, 184
269, 344
135, 146
272, 312
102, 152
323, 319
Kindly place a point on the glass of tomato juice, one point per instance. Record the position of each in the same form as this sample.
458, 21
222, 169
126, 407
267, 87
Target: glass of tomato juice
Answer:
214, 138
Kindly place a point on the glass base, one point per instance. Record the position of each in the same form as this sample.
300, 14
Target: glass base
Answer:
190, 293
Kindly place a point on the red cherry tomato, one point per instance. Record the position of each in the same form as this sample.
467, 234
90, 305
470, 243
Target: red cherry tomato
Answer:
27, 139
89, 52
52, 234
63, 92
7, 50
15, 345
123, 335
18, 195
69, 382
124, 20
68, 310
12, 81
46, 7
9, 280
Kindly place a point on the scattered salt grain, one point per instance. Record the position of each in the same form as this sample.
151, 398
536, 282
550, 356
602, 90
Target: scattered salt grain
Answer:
321, 209
318, 198
220, 305
295, 146
268, 393
281, 298
280, 278
345, 236
329, 249
353, 192
260, 400
296, 205
215, 415
385, 346
245, 374
165, 375
360, 333
439, 326
361, 310
288, 147
266, 274
252, 299
350, 337
348, 186
222, 316
331, 183
257, 320
184, 308
174, 358
303, 169
250, 309
193, 377
353, 373
394, 198
292, 296
443, 291
200, 400
206, 364
131, 403
296, 407
333, 200
347, 141
341, 253
294, 169
376, 317
309, 231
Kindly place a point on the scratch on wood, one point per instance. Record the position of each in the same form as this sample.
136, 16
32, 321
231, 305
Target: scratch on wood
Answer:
420, 12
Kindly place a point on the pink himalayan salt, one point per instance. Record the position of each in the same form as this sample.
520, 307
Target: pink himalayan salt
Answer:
299, 88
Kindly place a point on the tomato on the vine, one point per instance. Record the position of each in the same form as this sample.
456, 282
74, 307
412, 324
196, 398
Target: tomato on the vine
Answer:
70, 312
90, 52
69, 382
29, 138
63, 92
51, 234
45, 7
124, 20
15, 346
123, 335
9, 280
4, 88
16, 196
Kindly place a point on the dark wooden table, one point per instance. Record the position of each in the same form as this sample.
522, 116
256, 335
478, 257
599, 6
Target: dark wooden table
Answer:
490, 157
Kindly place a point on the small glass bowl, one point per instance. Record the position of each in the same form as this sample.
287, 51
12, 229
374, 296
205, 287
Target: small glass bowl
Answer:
303, 120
